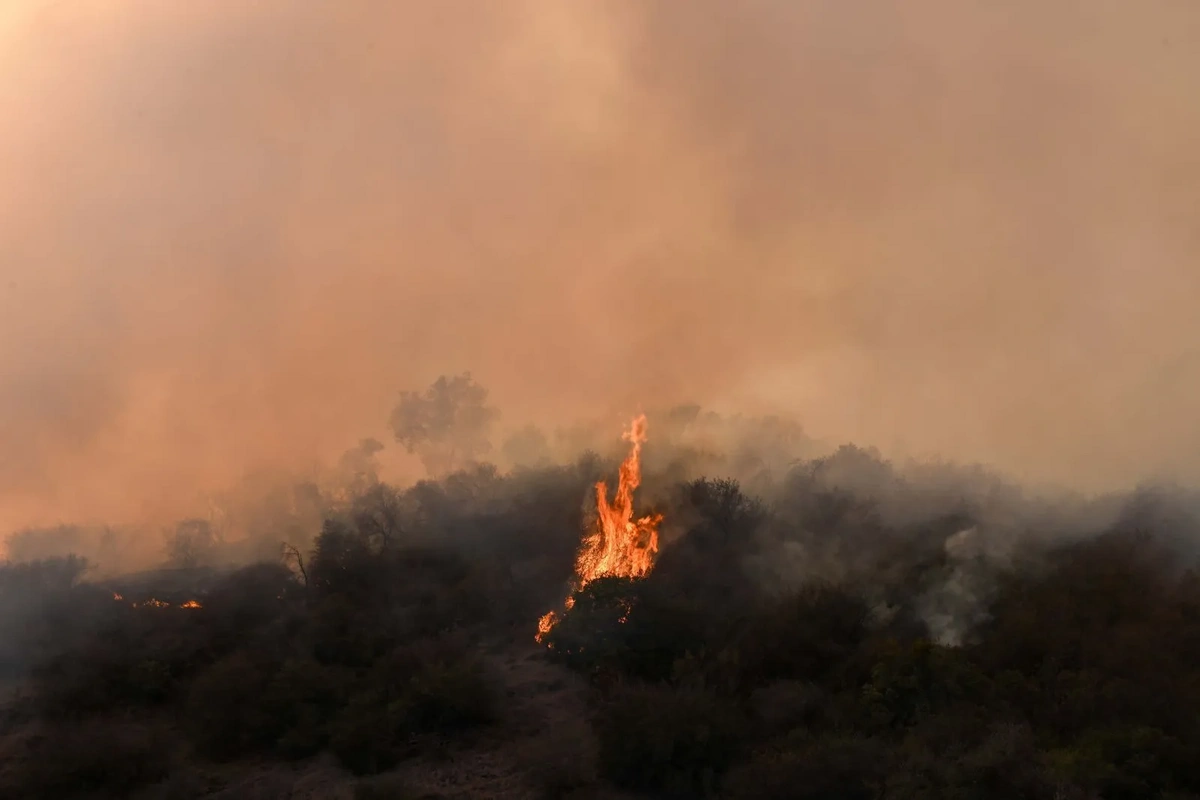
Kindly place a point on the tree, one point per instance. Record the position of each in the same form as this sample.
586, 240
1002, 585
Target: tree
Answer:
358, 468
380, 514
290, 553
725, 514
447, 426
193, 543
527, 447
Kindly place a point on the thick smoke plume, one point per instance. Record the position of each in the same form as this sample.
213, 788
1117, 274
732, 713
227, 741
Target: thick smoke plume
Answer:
233, 232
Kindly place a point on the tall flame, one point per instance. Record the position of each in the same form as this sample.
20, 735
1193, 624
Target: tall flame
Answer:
618, 545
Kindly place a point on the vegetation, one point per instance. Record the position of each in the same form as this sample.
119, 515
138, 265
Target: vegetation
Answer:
447, 426
852, 631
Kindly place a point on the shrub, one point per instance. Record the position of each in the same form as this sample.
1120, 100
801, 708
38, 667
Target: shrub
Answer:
366, 736
347, 635
1003, 765
384, 787
673, 740
433, 686
248, 599
109, 756
781, 707
226, 710
562, 759
448, 696
911, 682
835, 768
429, 687
591, 637
301, 699
809, 635
43, 610
136, 658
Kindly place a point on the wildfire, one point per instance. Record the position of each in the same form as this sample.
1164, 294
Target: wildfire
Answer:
618, 545
154, 602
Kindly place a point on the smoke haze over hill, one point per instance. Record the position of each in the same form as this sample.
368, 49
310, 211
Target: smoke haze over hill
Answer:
233, 232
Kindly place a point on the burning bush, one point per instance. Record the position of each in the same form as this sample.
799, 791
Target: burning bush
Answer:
619, 545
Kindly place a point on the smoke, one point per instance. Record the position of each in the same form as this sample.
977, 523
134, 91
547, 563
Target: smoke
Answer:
233, 232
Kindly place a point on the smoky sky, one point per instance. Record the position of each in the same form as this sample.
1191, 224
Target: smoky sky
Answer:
231, 233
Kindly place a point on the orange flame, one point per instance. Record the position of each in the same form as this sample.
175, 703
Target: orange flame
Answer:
154, 602
618, 545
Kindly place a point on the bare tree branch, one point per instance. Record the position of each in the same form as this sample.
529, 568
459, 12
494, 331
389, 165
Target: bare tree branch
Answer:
290, 552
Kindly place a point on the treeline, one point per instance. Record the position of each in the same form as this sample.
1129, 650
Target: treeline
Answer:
850, 630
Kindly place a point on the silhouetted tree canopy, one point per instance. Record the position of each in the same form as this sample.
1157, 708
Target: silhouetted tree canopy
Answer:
192, 543
448, 425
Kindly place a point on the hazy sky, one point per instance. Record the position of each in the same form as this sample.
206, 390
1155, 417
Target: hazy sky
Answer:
231, 232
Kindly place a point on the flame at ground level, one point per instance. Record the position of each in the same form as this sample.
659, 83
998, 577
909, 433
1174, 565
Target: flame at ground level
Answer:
154, 602
618, 545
